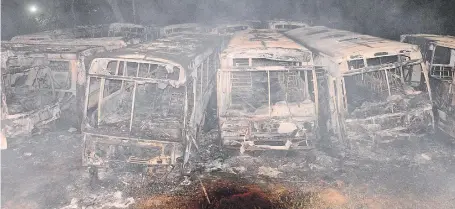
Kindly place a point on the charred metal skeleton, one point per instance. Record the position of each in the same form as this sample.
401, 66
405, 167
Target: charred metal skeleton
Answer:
145, 104
439, 54
266, 93
56, 59
39, 81
377, 88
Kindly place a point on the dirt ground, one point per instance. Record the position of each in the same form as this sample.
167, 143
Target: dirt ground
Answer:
45, 172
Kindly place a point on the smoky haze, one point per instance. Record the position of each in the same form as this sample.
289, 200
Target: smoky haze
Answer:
386, 18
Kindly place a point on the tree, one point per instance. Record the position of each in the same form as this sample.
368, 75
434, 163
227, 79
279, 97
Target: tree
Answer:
116, 10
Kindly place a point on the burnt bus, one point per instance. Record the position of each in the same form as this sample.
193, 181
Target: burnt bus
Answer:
438, 52
184, 28
145, 104
266, 93
375, 88
230, 29
132, 33
56, 58
285, 25
40, 81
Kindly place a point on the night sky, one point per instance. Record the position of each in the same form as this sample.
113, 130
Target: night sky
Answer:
386, 18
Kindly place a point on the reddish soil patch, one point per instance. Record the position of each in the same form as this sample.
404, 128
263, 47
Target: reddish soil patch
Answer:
223, 194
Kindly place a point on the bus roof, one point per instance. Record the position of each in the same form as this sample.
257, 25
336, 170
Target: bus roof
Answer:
261, 39
109, 43
342, 45
44, 48
182, 25
231, 25
194, 28
182, 49
73, 33
118, 26
440, 40
288, 22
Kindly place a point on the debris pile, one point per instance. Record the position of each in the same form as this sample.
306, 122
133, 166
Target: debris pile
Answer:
398, 116
108, 200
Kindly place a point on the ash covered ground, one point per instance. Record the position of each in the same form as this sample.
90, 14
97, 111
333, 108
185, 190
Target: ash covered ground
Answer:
45, 172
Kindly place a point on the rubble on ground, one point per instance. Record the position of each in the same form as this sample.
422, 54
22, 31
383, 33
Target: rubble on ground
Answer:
102, 201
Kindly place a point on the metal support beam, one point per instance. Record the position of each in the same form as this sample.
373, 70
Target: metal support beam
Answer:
87, 93
117, 67
137, 69
307, 91
132, 106
388, 84
201, 69
100, 99
315, 90
268, 84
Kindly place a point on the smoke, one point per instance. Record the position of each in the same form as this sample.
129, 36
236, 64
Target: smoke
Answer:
386, 18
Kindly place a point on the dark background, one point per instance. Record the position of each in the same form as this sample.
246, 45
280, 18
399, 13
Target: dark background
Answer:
386, 18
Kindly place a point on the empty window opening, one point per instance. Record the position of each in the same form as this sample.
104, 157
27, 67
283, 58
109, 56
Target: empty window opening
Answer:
24, 91
143, 70
382, 60
112, 67
442, 55
151, 109
240, 62
356, 64
250, 90
61, 74
441, 67
374, 88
